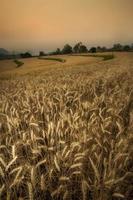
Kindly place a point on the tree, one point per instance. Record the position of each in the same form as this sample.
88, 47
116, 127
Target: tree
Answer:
104, 49
83, 49
99, 49
117, 47
126, 48
41, 53
93, 50
76, 48
132, 47
25, 55
58, 51
80, 48
67, 49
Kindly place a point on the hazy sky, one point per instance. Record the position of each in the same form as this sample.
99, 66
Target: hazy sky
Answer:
47, 24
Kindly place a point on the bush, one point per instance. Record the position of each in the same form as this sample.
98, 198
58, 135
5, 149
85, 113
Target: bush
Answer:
54, 59
18, 63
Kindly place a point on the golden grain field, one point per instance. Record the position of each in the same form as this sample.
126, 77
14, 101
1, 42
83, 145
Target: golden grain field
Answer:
66, 129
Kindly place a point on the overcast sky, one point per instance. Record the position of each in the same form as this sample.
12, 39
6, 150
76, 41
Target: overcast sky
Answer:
47, 24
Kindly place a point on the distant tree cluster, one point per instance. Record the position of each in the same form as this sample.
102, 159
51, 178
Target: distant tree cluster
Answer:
93, 50
81, 48
68, 49
41, 53
119, 47
25, 55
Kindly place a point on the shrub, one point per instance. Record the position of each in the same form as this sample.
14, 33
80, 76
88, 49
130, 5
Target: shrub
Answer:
18, 63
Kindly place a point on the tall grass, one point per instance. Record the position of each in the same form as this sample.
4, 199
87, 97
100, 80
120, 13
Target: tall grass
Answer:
65, 135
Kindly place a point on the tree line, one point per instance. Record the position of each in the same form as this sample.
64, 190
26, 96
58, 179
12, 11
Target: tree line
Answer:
68, 49
81, 48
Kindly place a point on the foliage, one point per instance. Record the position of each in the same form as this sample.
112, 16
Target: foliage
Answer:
93, 50
58, 51
104, 56
108, 57
26, 55
126, 48
76, 48
41, 53
101, 49
80, 48
67, 49
18, 63
54, 59
83, 49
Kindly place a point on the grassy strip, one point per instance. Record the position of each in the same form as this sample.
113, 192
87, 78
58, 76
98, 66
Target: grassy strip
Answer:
105, 57
18, 63
55, 59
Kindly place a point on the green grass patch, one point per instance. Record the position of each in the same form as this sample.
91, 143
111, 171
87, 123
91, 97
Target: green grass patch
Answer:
18, 63
104, 56
54, 59
108, 57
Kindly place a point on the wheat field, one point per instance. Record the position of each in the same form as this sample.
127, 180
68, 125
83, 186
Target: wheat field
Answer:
66, 129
